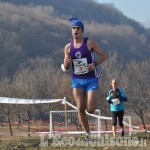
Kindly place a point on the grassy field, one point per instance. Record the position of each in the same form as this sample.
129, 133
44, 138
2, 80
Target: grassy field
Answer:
38, 141
23, 142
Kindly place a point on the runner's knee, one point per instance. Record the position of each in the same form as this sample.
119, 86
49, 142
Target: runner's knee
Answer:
120, 124
81, 109
91, 111
114, 122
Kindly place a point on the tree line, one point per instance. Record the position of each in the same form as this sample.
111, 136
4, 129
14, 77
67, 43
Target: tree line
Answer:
39, 78
31, 41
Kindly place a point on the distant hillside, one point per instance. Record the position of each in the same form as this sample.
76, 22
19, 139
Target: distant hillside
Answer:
40, 28
101, 13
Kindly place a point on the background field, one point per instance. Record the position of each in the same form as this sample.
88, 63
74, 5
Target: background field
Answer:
21, 141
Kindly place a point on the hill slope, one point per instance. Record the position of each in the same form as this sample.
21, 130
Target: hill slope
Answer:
40, 28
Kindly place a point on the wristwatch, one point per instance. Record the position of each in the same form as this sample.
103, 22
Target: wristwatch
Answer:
95, 63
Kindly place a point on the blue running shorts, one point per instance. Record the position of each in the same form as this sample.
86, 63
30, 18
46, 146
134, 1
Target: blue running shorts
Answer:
89, 84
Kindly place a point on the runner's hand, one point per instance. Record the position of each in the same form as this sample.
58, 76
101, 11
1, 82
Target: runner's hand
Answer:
67, 58
91, 67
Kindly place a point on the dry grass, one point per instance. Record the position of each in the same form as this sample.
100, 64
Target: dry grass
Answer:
21, 141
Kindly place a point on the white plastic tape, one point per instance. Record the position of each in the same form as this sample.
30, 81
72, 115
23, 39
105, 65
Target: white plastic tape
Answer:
7, 100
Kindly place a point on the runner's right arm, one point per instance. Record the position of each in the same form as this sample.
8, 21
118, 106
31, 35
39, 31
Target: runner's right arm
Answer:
67, 58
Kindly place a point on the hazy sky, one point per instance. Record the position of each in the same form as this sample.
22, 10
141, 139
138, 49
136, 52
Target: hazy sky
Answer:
138, 10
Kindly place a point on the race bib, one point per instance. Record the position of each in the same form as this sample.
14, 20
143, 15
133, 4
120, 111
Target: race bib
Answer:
115, 101
80, 66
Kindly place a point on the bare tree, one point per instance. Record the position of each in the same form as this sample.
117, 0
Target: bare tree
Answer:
137, 87
6, 110
38, 79
109, 70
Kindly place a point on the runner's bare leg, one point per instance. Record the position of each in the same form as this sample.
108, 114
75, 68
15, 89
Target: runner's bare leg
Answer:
80, 99
91, 101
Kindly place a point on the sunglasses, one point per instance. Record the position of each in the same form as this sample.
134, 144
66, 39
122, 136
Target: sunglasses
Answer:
78, 28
